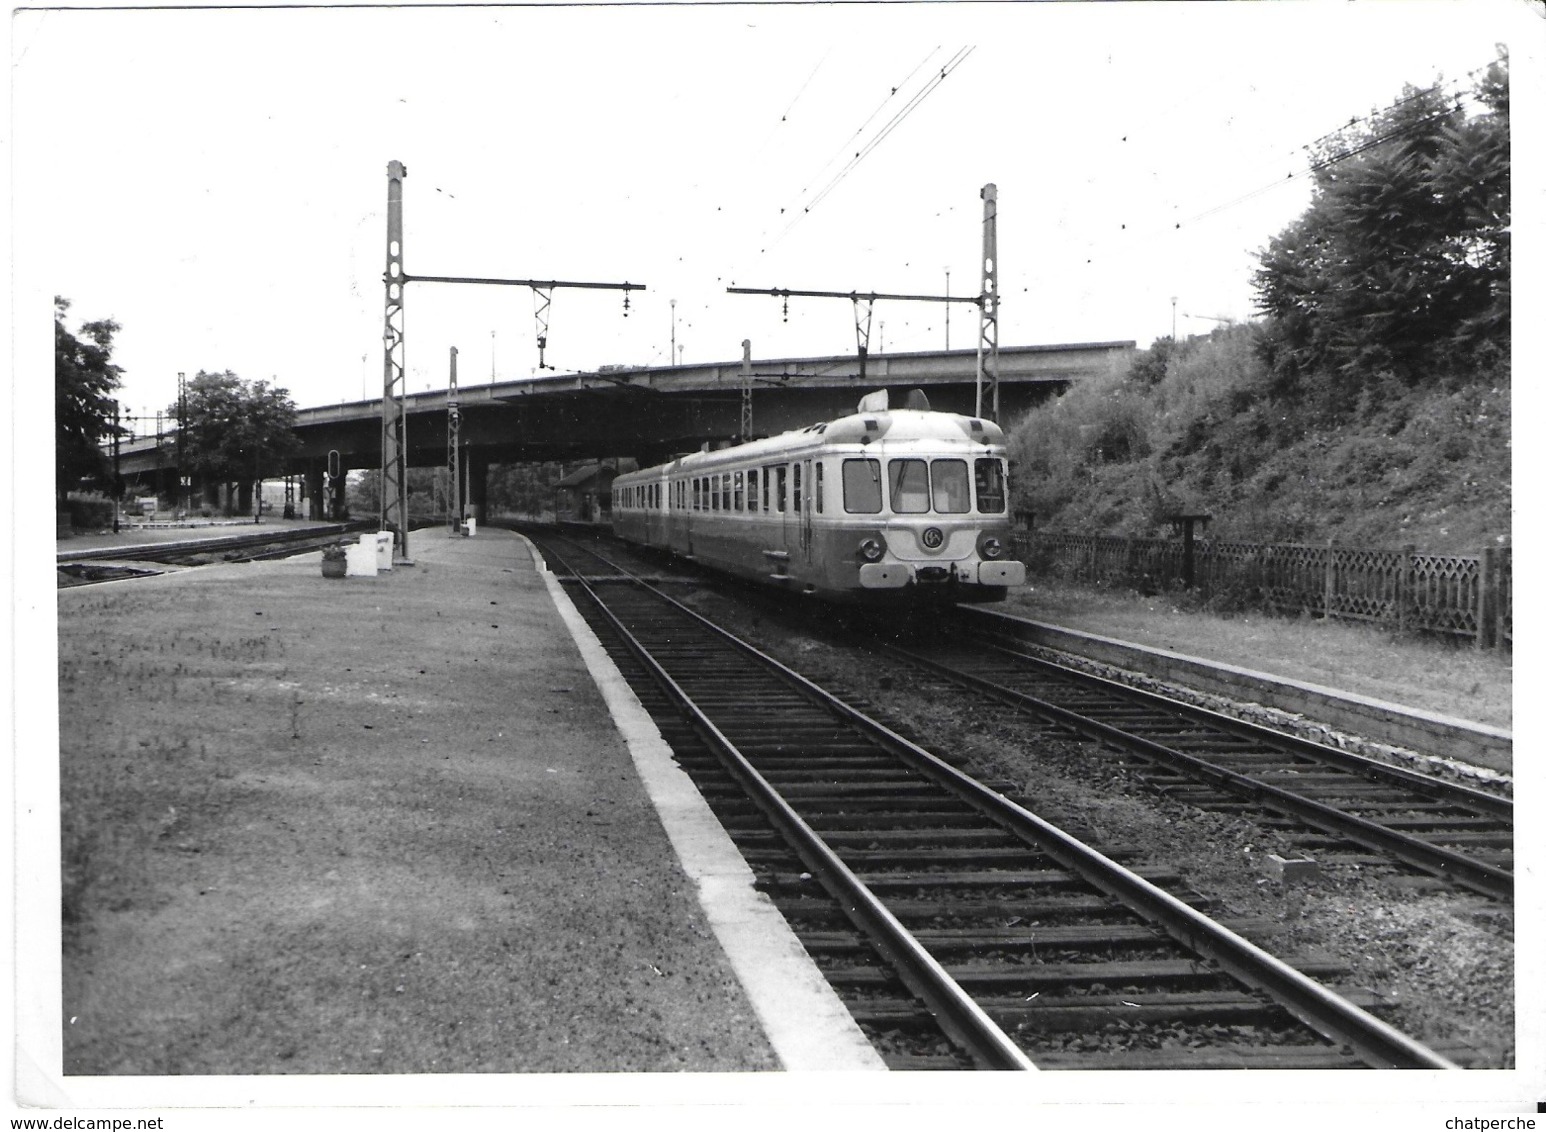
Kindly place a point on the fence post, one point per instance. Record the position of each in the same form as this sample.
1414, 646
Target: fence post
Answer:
1486, 595
1331, 577
1503, 600
1404, 586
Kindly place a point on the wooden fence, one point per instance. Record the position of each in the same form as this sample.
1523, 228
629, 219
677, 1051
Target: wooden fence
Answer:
1469, 597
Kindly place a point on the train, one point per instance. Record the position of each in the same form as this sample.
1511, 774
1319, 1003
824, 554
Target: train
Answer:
884, 506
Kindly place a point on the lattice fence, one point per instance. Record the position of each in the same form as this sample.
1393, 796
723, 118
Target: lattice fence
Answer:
1458, 595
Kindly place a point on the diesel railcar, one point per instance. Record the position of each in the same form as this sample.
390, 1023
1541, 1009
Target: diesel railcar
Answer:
903, 505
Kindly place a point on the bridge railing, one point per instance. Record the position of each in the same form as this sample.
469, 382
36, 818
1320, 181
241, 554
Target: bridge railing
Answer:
1468, 597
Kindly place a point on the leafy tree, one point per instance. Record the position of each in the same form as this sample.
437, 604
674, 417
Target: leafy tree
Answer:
237, 431
84, 381
1401, 263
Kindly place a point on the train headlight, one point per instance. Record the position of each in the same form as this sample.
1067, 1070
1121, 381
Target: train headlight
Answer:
871, 549
991, 548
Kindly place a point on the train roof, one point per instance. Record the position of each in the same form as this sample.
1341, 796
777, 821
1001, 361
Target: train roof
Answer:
923, 426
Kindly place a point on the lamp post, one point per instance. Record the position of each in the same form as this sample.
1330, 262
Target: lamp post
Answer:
673, 331
117, 465
1172, 320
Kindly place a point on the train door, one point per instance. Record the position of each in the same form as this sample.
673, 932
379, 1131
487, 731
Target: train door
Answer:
803, 506
794, 528
776, 477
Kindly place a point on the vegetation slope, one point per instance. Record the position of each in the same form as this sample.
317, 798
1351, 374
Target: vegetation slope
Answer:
1369, 404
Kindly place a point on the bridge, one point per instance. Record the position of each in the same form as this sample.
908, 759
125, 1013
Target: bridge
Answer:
649, 414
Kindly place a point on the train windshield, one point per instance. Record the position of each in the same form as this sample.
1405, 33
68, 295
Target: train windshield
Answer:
990, 486
909, 487
952, 493
861, 487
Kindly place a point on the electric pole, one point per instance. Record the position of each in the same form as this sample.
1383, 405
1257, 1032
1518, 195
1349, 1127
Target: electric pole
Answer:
746, 390
394, 387
453, 443
987, 336
986, 301
394, 409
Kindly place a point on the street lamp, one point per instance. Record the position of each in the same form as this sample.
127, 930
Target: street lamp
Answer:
673, 331
1172, 320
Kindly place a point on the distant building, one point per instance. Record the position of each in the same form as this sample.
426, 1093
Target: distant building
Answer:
585, 495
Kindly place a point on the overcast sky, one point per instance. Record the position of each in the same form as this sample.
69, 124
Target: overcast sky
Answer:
215, 180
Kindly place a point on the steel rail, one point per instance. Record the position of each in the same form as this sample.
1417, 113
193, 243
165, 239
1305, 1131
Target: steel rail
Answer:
1324, 1011
957, 1013
1490, 805
1489, 880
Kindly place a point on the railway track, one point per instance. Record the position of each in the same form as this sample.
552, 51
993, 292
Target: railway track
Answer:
1335, 805
107, 564
961, 929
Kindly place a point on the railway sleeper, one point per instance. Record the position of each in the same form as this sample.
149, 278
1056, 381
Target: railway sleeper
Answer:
1125, 976
942, 942
1040, 879
1194, 1057
1028, 908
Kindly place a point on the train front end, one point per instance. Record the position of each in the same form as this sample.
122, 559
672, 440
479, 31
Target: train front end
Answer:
926, 503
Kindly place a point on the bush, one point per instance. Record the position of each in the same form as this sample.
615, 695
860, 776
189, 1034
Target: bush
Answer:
90, 514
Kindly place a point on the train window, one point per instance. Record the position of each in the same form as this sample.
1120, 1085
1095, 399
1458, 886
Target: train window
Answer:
861, 486
909, 487
990, 486
821, 490
780, 480
697, 493
952, 494
797, 500
740, 491
751, 490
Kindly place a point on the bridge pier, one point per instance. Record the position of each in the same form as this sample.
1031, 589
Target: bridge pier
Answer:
315, 477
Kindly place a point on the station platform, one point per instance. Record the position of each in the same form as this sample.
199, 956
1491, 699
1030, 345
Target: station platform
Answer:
406, 824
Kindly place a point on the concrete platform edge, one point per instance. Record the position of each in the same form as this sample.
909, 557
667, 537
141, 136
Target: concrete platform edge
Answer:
806, 1023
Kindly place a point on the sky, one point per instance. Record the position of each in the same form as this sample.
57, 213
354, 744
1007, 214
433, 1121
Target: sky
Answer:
214, 180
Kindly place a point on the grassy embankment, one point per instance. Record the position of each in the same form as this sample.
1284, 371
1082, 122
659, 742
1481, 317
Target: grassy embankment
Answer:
1206, 428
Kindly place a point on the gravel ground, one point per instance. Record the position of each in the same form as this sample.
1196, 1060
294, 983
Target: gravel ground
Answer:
366, 826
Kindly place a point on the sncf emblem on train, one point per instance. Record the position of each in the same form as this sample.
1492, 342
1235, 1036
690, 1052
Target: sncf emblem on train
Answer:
933, 538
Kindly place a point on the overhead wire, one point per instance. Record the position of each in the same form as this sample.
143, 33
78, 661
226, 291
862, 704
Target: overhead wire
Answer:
848, 141
900, 117
885, 131
1316, 166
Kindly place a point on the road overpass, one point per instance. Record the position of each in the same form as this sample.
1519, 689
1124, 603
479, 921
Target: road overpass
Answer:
651, 414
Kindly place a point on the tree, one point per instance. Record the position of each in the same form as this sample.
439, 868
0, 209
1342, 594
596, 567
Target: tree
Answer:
1401, 263
84, 380
236, 431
